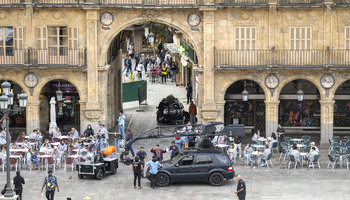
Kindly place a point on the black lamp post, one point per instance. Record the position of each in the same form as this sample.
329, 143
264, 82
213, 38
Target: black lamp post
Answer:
6, 102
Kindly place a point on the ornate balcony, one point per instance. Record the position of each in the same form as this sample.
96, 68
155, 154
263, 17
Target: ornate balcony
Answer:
242, 59
43, 58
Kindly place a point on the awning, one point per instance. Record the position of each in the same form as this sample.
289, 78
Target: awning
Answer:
171, 48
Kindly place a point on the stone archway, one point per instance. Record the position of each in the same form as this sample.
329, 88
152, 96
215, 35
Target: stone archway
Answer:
107, 40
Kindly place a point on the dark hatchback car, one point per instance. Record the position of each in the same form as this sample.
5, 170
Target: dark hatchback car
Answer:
200, 165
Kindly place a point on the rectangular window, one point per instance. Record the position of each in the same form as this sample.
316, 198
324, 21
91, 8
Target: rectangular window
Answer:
300, 38
6, 41
347, 37
245, 38
57, 40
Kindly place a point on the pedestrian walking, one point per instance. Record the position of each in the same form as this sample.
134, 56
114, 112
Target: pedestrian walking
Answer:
18, 180
189, 93
142, 155
129, 137
131, 50
139, 70
153, 166
280, 132
50, 184
121, 124
192, 110
241, 189
137, 168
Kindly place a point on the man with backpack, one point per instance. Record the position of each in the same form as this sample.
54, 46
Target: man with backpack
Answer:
50, 184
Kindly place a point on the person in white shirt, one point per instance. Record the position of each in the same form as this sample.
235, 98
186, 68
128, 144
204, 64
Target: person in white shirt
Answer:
62, 147
295, 153
56, 133
26, 144
56, 154
247, 151
232, 153
313, 145
139, 70
266, 153
103, 131
256, 137
33, 136
312, 155
73, 134
45, 148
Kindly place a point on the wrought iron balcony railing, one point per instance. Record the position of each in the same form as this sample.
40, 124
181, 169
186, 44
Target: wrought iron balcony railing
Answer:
50, 58
282, 58
241, 2
300, 2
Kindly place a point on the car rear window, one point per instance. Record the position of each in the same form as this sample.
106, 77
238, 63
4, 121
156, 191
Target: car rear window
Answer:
203, 159
223, 159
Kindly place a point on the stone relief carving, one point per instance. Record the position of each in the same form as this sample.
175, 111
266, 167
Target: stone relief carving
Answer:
149, 15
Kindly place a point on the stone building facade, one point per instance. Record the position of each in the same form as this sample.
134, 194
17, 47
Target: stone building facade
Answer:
245, 40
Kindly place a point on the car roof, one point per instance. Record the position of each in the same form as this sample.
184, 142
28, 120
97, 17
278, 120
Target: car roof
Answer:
202, 150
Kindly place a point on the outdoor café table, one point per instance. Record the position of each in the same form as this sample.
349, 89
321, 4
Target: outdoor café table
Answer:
63, 137
75, 157
261, 139
300, 146
44, 157
342, 147
302, 155
27, 136
18, 157
19, 150
258, 146
54, 144
222, 145
297, 140
340, 156
256, 154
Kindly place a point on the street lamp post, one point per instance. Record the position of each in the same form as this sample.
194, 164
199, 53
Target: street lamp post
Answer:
6, 101
151, 38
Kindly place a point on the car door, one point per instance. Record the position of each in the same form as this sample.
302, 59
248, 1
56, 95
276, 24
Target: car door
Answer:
202, 166
183, 169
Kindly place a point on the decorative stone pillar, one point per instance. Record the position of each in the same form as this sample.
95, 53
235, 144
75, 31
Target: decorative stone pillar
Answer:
327, 109
93, 107
32, 116
208, 109
271, 115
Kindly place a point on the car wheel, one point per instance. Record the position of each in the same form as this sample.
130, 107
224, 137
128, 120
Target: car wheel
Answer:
99, 174
216, 179
162, 179
114, 170
80, 176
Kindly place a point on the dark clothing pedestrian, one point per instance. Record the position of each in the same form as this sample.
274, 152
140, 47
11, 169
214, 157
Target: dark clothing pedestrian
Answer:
128, 65
18, 181
280, 132
129, 137
241, 185
238, 140
137, 60
89, 132
137, 172
189, 93
174, 151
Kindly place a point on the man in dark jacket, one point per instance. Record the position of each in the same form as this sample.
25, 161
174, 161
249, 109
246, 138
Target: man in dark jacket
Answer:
241, 190
18, 181
174, 150
129, 137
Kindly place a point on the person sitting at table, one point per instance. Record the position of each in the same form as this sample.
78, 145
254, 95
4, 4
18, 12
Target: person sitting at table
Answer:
266, 153
46, 141
39, 137
269, 142
21, 136
62, 147
232, 153
14, 146
75, 144
313, 145
89, 132
34, 158
73, 134
256, 137
45, 148
247, 151
103, 131
312, 155
56, 154
56, 133
294, 151
26, 144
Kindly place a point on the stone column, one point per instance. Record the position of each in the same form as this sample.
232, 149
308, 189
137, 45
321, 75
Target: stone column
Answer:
271, 115
32, 116
93, 107
209, 111
327, 108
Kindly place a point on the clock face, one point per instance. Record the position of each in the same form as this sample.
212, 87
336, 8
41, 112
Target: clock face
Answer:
30, 80
194, 19
107, 18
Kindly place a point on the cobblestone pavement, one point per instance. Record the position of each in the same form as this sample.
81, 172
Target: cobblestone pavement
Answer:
262, 183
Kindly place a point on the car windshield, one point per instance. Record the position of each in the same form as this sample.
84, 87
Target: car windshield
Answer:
176, 158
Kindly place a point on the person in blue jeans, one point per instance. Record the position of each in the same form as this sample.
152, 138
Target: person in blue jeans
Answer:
142, 155
153, 169
34, 158
121, 124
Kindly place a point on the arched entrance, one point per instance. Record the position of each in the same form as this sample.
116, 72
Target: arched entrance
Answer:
18, 116
67, 108
251, 113
300, 116
342, 108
